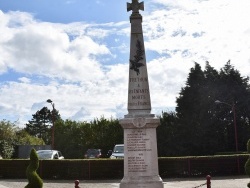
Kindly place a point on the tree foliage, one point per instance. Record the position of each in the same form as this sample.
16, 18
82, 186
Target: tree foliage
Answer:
203, 128
166, 134
11, 136
24, 138
197, 127
74, 138
41, 123
7, 138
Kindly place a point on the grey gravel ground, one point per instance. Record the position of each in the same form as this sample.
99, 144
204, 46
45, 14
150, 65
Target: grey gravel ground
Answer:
218, 182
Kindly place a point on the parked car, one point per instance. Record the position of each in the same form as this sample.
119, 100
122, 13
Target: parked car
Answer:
49, 154
93, 153
118, 152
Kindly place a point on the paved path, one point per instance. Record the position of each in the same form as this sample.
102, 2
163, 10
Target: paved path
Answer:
218, 182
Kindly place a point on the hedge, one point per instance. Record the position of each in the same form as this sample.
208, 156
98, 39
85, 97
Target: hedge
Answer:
113, 168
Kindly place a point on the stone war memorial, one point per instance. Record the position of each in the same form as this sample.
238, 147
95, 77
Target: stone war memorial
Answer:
140, 143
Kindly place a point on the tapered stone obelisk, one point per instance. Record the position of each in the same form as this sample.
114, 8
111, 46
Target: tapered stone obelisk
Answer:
140, 144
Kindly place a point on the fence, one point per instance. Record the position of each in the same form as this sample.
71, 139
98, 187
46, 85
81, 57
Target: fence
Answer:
113, 169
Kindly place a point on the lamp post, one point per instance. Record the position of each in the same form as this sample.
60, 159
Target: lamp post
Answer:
53, 126
235, 128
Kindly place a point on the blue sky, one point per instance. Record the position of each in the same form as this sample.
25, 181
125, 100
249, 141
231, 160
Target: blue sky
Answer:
67, 11
76, 52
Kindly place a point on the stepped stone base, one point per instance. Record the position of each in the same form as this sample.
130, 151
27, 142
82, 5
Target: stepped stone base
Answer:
142, 182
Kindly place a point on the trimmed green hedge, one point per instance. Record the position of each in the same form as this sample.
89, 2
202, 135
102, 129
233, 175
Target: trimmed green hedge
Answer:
81, 169
12, 168
113, 168
203, 165
247, 165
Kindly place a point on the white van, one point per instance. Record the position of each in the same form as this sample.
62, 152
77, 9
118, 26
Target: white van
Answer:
118, 152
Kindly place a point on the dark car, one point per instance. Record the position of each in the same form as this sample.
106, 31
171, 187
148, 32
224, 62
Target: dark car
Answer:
93, 153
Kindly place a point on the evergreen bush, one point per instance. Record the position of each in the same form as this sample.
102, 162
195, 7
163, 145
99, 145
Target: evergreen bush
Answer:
34, 180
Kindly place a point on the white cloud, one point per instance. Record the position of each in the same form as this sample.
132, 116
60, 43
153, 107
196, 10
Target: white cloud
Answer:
46, 49
209, 30
68, 62
24, 80
81, 115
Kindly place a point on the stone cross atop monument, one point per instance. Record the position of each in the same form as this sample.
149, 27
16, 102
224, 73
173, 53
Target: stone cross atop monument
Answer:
135, 6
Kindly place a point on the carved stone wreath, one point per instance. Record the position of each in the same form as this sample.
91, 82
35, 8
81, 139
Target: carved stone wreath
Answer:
139, 122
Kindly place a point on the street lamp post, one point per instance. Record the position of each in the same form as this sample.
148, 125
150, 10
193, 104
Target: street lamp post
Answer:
235, 127
53, 126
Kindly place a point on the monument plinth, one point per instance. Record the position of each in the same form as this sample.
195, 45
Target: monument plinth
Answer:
140, 144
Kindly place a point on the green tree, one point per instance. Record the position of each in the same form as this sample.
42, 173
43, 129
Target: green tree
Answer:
204, 128
234, 90
70, 139
12, 136
191, 111
166, 135
24, 138
7, 138
74, 138
41, 123
107, 133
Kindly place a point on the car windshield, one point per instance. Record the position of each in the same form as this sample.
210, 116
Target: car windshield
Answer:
92, 152
44, 154
119, 149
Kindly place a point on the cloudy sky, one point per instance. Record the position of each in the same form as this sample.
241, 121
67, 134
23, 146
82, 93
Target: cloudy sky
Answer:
75, 52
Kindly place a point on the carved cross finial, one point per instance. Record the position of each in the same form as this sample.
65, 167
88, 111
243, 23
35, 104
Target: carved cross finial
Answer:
135, 6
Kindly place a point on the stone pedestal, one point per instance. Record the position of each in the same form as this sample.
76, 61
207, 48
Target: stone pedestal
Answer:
140, 153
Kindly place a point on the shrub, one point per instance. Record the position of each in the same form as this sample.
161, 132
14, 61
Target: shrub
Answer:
247, 165
34, 180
